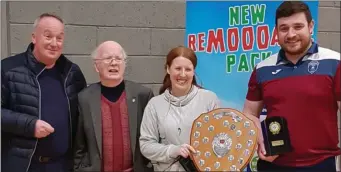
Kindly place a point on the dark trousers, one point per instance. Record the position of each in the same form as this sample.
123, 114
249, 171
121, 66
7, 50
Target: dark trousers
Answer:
60, 164
328, 165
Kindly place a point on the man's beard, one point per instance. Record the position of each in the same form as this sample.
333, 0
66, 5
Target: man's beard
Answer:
304, 45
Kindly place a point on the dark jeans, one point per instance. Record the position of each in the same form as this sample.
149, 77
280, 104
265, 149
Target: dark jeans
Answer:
328, 165
55, 165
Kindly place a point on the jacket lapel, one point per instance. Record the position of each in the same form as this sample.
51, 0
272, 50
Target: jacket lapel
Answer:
95, 108
132, 104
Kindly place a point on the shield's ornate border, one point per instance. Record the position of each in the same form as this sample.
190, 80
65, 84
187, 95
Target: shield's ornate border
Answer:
225, 140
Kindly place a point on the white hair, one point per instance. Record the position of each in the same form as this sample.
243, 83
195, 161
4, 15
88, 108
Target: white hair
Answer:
94, 53
36, 21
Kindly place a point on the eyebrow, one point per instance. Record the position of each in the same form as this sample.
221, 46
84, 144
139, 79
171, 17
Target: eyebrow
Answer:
176, 66
295, 24
48, 31
111, 56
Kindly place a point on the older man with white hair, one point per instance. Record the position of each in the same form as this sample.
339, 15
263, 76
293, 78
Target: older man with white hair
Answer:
110, 116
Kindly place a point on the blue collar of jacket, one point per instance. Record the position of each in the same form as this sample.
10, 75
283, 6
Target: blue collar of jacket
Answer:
312, 50
63, 64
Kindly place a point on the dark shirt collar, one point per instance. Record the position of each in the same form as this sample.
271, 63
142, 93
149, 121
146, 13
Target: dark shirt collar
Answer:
113, 93
62, 64
312, 50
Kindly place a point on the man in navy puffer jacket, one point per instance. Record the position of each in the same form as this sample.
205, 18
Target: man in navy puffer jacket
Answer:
39, 104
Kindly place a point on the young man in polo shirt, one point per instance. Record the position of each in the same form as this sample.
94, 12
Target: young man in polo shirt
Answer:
302, 84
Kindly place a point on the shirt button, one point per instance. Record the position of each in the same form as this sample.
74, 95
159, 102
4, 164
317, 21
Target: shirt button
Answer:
295, 67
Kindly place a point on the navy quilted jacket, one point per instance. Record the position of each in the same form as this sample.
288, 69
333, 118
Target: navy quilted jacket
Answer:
20, 105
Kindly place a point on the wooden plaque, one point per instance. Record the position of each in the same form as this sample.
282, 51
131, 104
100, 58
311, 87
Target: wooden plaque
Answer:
225, 140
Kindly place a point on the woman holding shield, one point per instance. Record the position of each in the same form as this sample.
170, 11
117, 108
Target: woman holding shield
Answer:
168, 117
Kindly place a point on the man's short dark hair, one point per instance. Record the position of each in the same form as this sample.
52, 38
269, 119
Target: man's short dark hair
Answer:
289, 8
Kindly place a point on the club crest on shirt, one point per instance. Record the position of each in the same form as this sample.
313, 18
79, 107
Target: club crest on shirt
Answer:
313, 66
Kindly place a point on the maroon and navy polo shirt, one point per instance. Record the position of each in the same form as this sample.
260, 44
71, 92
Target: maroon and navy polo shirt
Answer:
306, 94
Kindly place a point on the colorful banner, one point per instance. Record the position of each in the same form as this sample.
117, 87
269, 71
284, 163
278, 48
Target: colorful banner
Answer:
230, 38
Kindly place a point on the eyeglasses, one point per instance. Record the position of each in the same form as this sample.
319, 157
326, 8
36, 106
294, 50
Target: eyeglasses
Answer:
110, 59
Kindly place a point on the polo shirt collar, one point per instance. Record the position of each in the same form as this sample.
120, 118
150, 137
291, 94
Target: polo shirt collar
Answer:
312, 50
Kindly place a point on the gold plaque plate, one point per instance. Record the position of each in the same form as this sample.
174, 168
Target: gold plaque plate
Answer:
225, 140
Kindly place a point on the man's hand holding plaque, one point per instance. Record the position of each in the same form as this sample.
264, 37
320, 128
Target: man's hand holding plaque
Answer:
276, 138
261, 152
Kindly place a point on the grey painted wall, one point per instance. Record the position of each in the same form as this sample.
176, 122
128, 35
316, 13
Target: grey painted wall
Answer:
147, 30
3, 34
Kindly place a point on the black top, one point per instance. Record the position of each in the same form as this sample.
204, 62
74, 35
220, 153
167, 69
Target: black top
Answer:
113, 93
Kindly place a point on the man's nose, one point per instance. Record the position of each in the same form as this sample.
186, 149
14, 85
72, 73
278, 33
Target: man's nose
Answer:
54, 42
113, 61
291, 33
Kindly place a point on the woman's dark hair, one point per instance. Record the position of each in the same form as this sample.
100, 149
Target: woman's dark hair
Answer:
174, 53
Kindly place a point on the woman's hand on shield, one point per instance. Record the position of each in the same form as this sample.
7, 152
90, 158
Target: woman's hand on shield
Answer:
185, 150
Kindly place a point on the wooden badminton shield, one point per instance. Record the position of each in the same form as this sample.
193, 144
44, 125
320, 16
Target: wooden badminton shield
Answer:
225, 140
